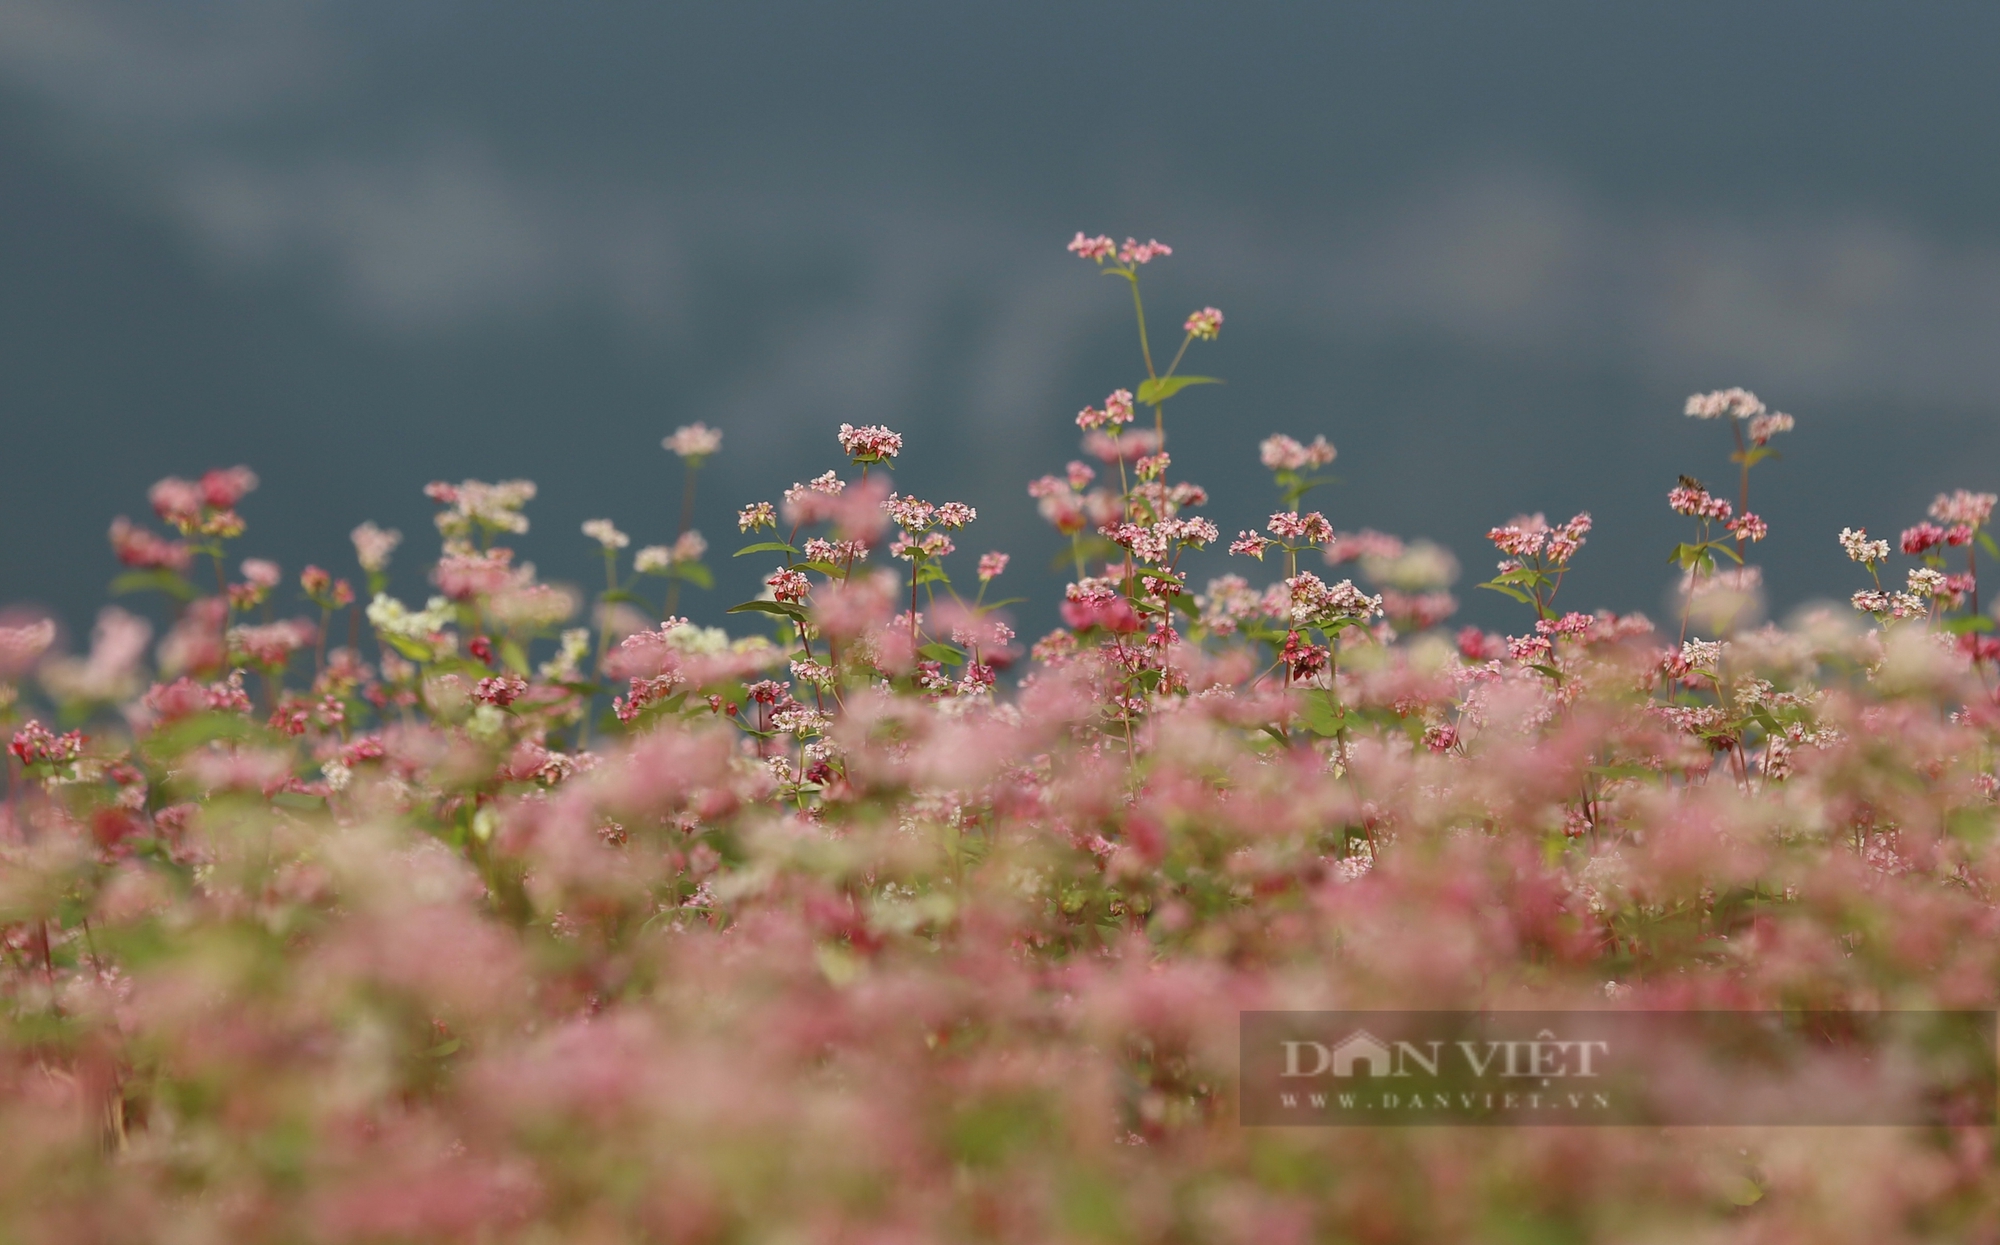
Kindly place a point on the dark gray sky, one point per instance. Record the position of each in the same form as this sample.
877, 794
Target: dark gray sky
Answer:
1487, 249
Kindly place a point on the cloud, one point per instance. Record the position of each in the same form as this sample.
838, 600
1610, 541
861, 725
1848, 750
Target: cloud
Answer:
429, 227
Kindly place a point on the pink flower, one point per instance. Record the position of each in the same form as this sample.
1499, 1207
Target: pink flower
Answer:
1698, 502
222, 488
1739, 403
373, 545
1251, 544
873, 444
755, 516
272, 644
21, 645
1922, 537
1117, 410
1962, 507
1764, 427
1204, 324
500, 690
35, 744
1096, 603
694, 441
1135, 252
1281, 453
1749, 527
991, 565
178, 502
1099, 248
261, 573
135, 546
788, 585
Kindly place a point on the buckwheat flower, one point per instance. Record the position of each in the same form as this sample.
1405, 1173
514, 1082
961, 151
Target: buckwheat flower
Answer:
1958, 535
873, 444
1738, 403
35, 744
755, 516
1118, 407
264, 574
272, 644
694, 441
21, 645
500, 690
788, 585
1251, 544
223, 487
689, 546
135, 546
1747, 526
652, 559
372, 547
1080, 474
1136, 252
602, 531
1696, 501
991, 565
388, 615
1963, 507
1528, 648
909, 513
1764, 427
1099, 248
177, 501
1279, 452
1927, 581
1855, 541
1522, 537
1204, 324
955, 515
1287, 525
1924, 536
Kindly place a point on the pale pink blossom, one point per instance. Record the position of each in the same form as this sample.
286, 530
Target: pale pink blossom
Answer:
1204, 324
694, 441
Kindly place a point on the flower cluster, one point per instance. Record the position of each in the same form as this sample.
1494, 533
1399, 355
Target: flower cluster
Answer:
855, 921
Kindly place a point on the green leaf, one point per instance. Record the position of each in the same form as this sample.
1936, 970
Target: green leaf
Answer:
1322, 716
694, 572
938, 651
990, 606
1971, 622
628, 598
153, 581
823, 567
512, 656
1157, 389
1986, 543
1516, 593
1622, 771
780, 608
765, 546
415, 650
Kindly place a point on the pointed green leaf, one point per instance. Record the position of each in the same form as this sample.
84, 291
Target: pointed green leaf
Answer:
781, 608
1157, 389
765, 546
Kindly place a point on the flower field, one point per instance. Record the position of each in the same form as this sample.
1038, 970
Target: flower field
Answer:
522, 913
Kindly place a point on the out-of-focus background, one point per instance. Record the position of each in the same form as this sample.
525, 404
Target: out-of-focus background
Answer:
1487, 249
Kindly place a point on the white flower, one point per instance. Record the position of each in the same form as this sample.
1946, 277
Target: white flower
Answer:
601, 531
1855, 541
394, 618
696, 441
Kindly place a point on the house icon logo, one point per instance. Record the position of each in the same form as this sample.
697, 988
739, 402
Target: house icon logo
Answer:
1362, 1047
